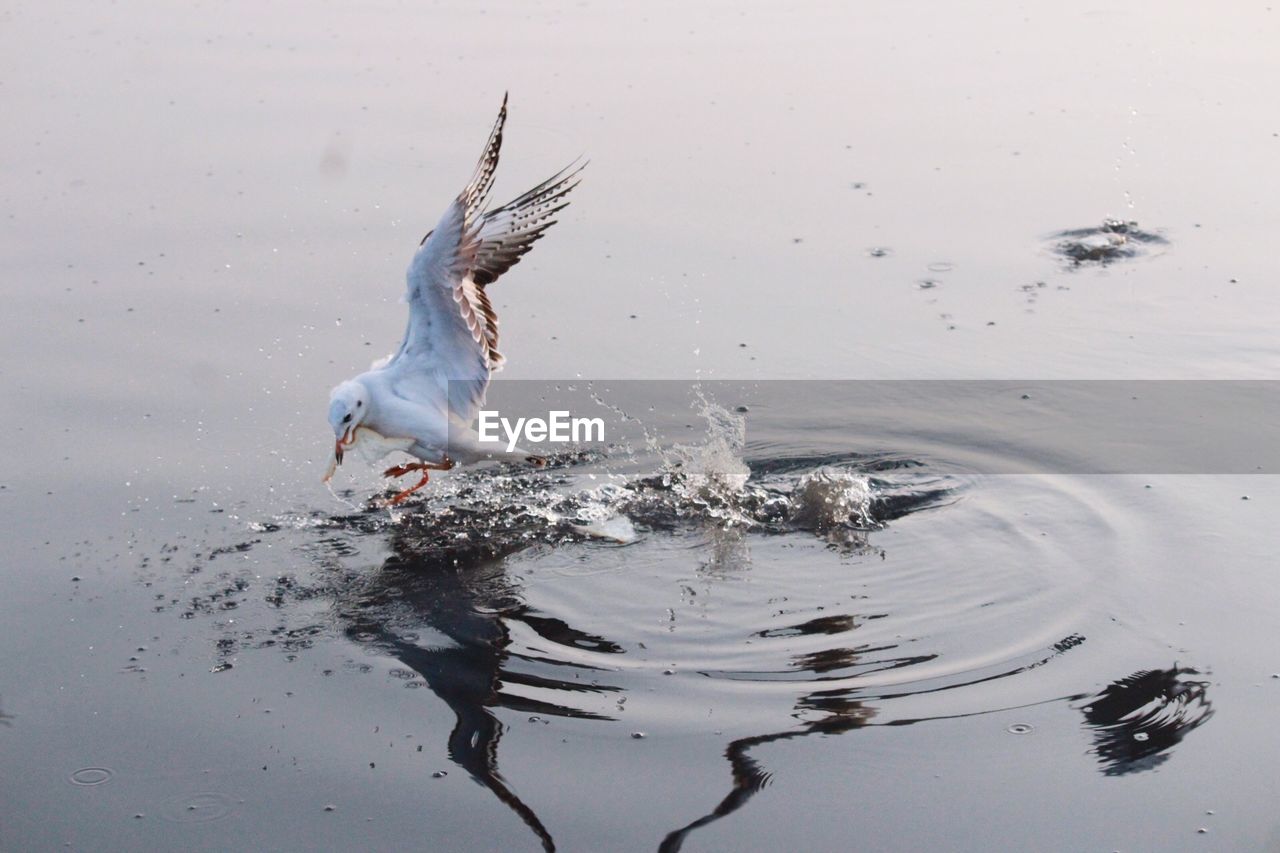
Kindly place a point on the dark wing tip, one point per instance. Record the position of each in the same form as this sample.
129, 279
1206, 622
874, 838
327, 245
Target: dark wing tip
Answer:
477, 191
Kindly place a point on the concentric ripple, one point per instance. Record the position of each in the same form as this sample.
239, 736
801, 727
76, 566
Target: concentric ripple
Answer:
769, 589
90, 776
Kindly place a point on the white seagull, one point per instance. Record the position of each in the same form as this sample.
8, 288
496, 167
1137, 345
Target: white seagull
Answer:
423, 399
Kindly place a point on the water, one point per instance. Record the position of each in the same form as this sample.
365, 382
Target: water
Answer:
961, 615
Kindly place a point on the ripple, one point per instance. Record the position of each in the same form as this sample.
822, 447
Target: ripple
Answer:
200, 807
788, 585
1138, 718
829, 612
89, 776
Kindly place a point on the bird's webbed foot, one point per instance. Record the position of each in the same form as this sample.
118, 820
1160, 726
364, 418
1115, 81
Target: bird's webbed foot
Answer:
425, 467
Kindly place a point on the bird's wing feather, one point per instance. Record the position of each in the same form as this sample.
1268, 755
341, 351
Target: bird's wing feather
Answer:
446, 349
508, 232
451, 344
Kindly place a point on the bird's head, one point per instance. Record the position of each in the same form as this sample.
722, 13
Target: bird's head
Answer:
348, 407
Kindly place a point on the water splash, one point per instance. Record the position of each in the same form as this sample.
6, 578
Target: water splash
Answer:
1113, 240
710, 482
830, 498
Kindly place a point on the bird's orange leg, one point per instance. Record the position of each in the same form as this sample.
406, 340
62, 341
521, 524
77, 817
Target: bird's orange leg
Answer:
425, 467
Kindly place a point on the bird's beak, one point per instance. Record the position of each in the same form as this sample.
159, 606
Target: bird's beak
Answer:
348, 438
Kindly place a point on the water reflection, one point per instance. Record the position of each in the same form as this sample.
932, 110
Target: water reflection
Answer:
1139, 718
467, 597
839, 714
447, 609
445, 606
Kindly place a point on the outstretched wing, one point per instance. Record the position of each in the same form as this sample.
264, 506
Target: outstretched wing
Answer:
450, 345
508, 232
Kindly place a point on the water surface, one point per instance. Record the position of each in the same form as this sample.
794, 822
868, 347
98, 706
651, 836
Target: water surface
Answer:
827, 625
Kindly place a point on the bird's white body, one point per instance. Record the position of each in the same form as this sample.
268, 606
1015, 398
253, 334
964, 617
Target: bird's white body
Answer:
424, 399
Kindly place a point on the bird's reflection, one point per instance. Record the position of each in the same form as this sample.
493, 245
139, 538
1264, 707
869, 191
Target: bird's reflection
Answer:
468, 598
463, 592
1137, 719
838, 714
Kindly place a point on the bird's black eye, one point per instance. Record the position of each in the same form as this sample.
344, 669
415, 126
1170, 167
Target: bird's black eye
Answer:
347, 419
359, 403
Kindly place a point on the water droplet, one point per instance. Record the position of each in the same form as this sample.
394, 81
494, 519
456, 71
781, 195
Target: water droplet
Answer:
1141, 736
439, 774
638, 735
331, 808
1020, 729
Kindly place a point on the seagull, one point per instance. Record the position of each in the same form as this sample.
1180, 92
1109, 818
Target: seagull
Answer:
423, 399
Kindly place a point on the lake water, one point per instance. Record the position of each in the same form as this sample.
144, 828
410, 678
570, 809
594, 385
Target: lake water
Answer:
875, 554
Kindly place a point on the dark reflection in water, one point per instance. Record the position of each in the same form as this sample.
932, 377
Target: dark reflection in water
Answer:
437, 584
1138, 718
467, 597
447, 577
833, 712
840, 714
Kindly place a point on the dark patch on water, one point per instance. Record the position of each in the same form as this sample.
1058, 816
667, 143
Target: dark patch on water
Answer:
1113, 240
1139, 718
